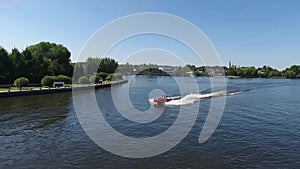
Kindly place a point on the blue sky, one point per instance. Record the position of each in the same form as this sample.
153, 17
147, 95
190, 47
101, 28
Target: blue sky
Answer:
246, 32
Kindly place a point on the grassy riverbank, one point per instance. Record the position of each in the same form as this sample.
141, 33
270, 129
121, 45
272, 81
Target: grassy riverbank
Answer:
13, 91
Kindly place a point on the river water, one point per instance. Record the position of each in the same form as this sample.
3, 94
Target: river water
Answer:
260, 128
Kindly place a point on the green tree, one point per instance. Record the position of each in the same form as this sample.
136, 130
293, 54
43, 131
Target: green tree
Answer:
292, 72
49, 59
192, 67
107, 65
21, 82
17, 63
27, 63
248, 72
39, 61
231, 72
78, 71
109, 77
83, 80
126, 69
91, 66
117, 76
59, 57
94, 78
5, 67
102, 75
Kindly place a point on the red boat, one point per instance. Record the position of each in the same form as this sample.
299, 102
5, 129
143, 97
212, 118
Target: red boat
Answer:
164, 99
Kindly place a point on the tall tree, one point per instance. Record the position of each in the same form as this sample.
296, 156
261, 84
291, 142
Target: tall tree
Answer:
40, 61
17, 62
49, 59
27, 67
59, 60
78, 71
108, 65
91, 66
5, 67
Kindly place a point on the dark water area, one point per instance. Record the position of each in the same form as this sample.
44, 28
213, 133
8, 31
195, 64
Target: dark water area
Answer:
260, 128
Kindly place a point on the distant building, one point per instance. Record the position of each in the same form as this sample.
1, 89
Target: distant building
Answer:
262, 72
215, 71
191, 74
167, 69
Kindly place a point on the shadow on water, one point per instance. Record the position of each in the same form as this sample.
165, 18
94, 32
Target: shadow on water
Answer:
36, 101
32, 112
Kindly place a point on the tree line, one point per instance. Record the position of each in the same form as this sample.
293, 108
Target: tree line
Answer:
53, 61
292, 72
94, 70
35, 62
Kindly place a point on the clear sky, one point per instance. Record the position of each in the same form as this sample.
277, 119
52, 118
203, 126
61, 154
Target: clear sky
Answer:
246, 32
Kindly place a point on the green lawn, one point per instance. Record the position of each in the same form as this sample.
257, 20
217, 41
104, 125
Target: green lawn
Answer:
37, 88
33, 88
23, 88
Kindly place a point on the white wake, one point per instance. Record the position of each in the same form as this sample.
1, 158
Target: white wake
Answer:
191, 98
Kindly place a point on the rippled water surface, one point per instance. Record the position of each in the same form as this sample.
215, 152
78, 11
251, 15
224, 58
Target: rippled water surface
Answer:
260, 128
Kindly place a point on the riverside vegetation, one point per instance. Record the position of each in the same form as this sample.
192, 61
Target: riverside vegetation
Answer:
46, 62
292, 72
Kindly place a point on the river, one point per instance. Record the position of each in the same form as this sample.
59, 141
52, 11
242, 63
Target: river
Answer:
260, 128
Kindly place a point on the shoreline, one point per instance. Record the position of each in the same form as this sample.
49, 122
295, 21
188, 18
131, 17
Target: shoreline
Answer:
40, 91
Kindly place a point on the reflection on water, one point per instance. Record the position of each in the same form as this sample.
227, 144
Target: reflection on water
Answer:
259, 129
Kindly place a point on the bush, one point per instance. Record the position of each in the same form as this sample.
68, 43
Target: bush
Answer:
63, 78
102, 75
98, 77
83, 80
48, 80
109, 77
93, 78
114, 76
20, 82
117, 76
